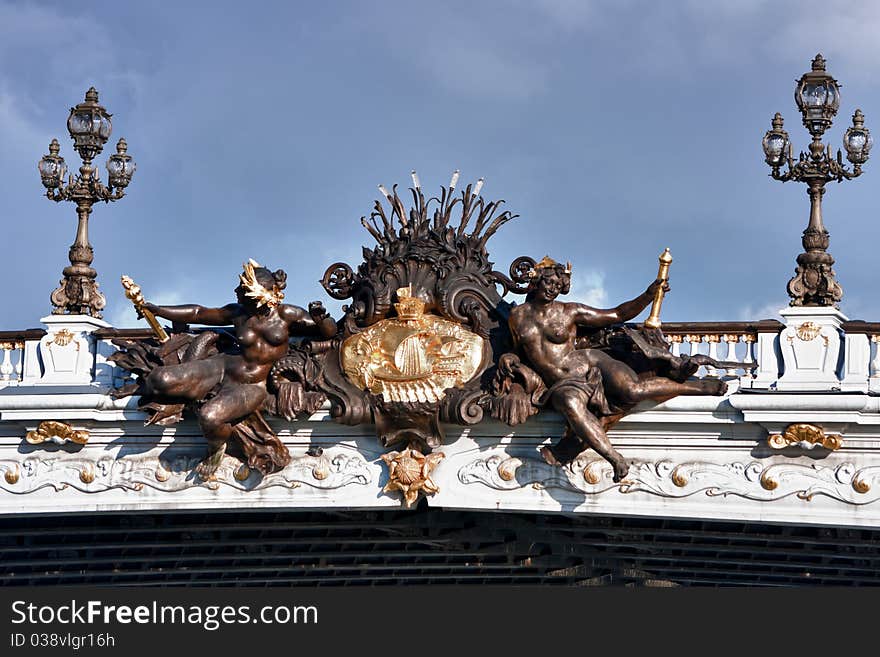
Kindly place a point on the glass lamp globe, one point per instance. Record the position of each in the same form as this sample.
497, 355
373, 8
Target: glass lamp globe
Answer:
857, 140
775, 143
120, 166
52, 167
817, 95
89, 126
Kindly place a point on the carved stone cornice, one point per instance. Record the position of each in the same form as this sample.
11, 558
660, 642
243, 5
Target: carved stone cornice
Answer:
748, 479
135, 473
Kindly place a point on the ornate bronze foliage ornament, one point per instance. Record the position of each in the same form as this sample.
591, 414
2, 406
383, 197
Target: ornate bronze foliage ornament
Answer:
426, 339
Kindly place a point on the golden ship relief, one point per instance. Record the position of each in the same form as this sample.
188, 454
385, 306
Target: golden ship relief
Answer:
413, 357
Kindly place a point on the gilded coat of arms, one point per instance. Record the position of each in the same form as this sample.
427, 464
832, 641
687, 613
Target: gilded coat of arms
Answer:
413, 357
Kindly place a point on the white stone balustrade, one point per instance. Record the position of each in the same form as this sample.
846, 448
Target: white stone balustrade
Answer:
699, 456
721, 346
11, 362
874, 364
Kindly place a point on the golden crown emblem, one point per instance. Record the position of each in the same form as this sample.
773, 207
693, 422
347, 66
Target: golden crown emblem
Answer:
408, 307
548, 263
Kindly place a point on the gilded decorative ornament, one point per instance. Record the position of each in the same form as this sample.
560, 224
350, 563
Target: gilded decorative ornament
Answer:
679, 478
87, 473
134, 294
255, 290
860, 485
63, 337
321, 469
12, 474
409, 472
808, 331
808, 433
593, 472
768, 481
414, 357
56, 432
507, 468
162, 474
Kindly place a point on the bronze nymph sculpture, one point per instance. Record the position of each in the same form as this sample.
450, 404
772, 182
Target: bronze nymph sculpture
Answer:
588, 386
226, 384
427, 340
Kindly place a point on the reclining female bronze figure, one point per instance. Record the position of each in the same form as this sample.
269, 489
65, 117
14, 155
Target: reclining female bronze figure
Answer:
588, 387
227, 387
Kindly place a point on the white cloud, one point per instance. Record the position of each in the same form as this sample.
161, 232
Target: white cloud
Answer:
766, 311
589, 288
124, 315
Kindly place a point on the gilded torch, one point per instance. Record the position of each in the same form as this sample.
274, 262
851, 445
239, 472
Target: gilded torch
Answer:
134, 294
653, 320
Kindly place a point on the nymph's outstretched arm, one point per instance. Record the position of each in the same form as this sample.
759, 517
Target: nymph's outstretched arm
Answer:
195, 314
314, 323
597, 317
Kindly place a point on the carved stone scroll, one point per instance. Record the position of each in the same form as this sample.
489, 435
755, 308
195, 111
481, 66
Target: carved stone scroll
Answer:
752, 480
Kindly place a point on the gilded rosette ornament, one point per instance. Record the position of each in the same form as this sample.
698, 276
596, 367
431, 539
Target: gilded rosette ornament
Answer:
409, 472
413, 357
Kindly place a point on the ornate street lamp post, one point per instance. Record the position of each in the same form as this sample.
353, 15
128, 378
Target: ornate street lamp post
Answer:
817, 95
89, 126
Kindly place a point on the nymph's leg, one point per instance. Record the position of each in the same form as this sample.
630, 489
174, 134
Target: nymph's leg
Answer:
623, 386
573, 405
217, 416
192, 380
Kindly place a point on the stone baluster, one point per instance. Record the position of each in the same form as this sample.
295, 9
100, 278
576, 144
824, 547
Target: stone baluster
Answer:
732, 339
694, 341
19, 363
748, 360
713, 341
7, 369
875, 360
675, 344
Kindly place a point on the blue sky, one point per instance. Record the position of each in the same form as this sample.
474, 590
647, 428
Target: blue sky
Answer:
261, 129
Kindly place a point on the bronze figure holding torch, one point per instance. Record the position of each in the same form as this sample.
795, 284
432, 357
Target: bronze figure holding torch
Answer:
589, 387
653, 320
134, 294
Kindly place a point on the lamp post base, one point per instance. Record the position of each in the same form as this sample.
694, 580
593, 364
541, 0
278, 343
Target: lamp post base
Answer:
78, 295
814, 282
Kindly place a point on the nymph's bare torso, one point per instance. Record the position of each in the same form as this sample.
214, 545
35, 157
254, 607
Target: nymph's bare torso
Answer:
263, 339
546, 335
545, 332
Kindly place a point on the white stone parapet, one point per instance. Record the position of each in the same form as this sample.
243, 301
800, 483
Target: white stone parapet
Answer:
692, 457
67, 446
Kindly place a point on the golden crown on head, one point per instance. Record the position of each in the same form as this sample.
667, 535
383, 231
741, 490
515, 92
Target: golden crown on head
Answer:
255, 290
408, 306
548, 263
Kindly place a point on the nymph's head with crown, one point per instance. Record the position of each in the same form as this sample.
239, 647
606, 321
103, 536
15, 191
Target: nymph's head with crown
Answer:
259, 287
547, 280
